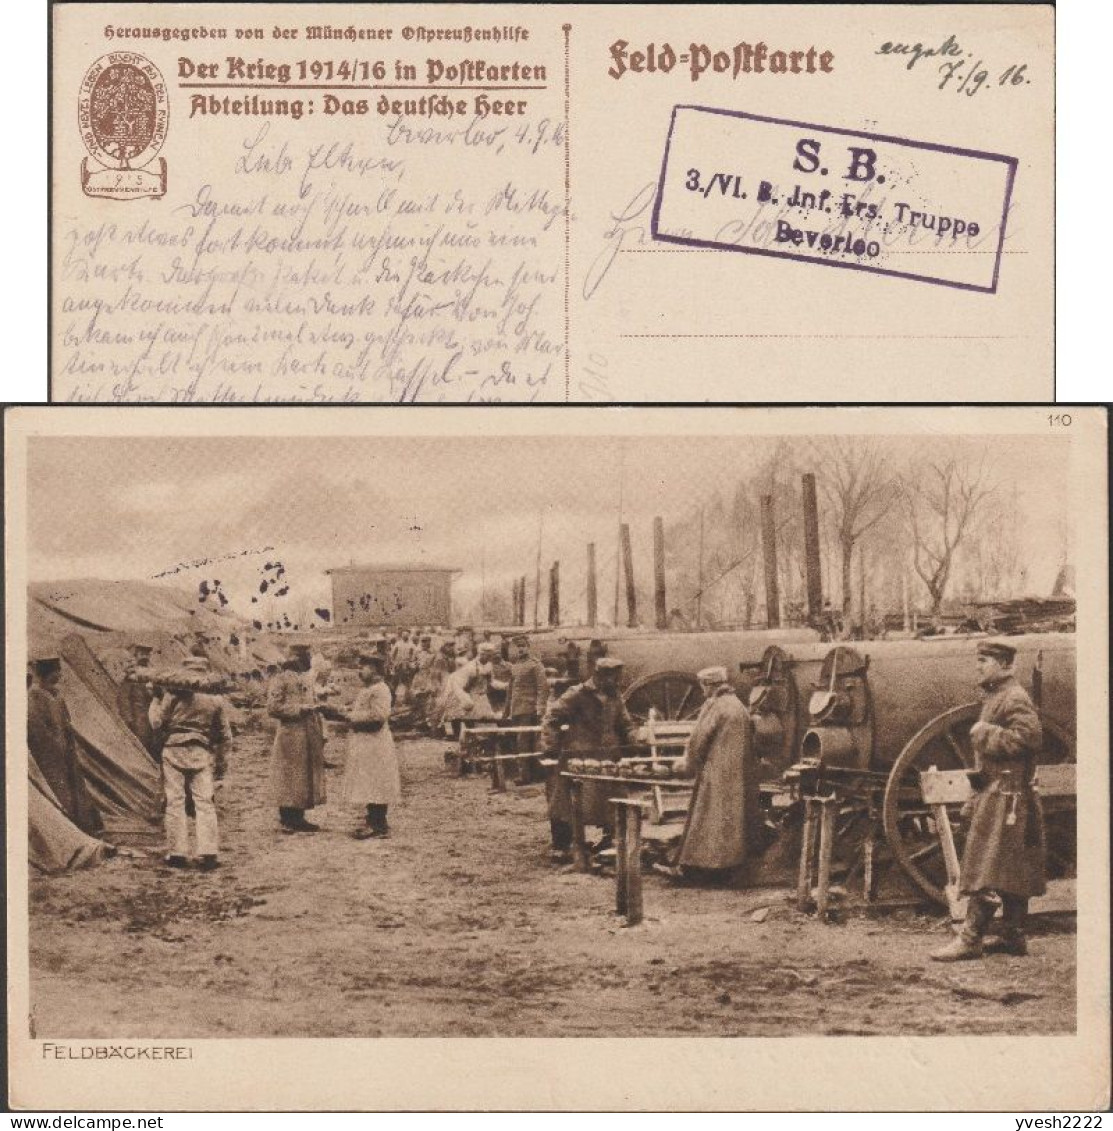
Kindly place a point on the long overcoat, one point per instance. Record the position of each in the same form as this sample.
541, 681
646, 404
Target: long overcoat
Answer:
725, 803
599, 726
298, 755
371, 774
51, 741
1005, 839
133, 701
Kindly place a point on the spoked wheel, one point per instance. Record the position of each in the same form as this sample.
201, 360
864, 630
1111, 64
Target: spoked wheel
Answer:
910, 828
673, 695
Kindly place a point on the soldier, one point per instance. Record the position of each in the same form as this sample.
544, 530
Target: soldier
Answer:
1004, 856
134, 696
402, 655
50, 739
424, 686
599, 726
468, 690
297, 759
371, 777
526, 698
195, 733
725, 809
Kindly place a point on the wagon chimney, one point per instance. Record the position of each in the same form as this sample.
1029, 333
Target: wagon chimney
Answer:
554, 594
813, 569
769, 546
628, 567
659, 571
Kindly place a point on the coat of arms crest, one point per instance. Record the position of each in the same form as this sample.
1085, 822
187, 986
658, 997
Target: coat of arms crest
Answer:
123, 113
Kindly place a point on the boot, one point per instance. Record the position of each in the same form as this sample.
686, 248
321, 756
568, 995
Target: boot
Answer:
177, 862
209, 863
980, 909
561, 833
1014, 915
376, 815
958, 950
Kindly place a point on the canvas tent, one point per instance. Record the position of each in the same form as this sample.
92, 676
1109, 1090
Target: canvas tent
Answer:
123, 780
55, 843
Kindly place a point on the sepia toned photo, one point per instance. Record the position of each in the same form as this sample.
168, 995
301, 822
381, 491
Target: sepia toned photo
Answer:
756, 731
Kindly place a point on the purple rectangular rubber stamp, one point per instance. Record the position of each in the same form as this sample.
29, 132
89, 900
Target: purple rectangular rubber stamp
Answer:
741, 182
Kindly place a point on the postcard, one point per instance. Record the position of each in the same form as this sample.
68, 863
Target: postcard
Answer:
552, 203
609, 759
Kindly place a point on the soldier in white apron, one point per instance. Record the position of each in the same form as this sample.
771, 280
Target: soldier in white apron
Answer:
372, 780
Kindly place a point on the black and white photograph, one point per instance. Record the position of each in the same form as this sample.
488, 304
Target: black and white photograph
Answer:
696, 724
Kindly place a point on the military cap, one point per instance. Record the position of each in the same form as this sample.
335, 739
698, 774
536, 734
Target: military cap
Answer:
372, 659
298, 649
997, 650
45, 662
609, 664
140, 649
195, 664
712, 675
521, 638
487, 646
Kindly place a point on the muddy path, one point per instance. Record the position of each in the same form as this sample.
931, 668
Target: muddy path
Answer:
458, 926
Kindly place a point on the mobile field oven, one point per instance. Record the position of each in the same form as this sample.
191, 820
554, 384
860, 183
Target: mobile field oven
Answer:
859, 723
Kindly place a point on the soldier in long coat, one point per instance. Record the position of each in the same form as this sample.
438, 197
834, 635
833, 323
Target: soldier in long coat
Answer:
298, 756
598, 726
725, 805
134, 697
1004, 858
51, 741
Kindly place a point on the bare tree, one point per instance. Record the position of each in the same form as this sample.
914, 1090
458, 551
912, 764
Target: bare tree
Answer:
859, 487
941, 499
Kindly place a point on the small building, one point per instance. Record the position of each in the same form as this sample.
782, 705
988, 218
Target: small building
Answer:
373, 596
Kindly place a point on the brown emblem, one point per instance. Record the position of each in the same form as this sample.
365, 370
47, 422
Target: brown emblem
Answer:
123, 113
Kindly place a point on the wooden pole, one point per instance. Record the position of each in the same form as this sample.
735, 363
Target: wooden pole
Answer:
813, 570
628, 567
769, 548
537, 573
699, 576
659, 572
522, 600
592, 590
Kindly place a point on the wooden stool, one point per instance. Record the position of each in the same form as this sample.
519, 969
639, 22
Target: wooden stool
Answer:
628, 862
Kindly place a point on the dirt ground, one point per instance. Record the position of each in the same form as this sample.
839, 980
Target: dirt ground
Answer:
459, 926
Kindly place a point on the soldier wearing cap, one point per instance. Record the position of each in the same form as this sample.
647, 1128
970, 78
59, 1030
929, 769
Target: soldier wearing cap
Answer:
1004, 858
526, 697
371, 776
598, 726
51, 742
297, 759
424, 685
469, 687
725, 812
194, 733
134, 696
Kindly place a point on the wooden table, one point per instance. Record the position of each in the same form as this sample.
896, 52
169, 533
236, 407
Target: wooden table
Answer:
580, 855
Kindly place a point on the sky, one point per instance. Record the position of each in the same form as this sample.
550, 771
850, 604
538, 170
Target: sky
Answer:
185, 510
